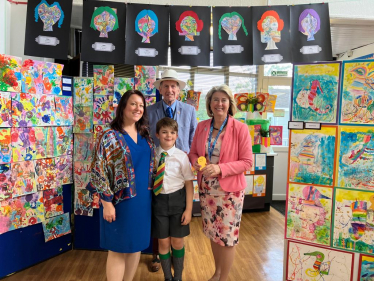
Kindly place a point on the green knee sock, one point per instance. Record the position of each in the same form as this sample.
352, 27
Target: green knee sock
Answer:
178, 260
166, 265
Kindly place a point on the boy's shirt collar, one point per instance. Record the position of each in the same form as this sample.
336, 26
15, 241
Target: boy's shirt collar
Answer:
170, 152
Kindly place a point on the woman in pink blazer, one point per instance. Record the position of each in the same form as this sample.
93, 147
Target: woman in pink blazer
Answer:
226, 145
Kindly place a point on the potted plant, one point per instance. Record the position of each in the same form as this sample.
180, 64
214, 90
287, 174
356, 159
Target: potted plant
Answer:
265, 140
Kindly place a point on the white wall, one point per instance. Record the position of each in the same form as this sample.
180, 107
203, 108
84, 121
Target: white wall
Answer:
3, 26
280, 172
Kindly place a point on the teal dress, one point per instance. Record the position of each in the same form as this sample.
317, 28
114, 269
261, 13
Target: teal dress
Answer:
131, 231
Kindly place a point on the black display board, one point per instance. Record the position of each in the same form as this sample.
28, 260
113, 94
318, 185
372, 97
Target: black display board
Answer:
232, 36
47, 28
103, 28
310, 33
189, 35
271, 35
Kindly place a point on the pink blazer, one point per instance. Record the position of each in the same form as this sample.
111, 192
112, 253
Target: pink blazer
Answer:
235, 157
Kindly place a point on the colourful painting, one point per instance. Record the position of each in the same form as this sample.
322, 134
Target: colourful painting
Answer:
53, 202
315, 92
84, 146
64, 111
357, 95
121, 86
83, 203
82, 171
24, 110
276, 135
98, 129
10, 71
5, 109
312, 156
6, 185
52, 78
193, 99
145, 76
43, 142
83, 91
103, 79
146, 25
63, 141
104, 20
45, 173
189, 25
56, 227
83, 119
231, 23
366, 268
356, 155
241, 101
45, 110
256, 134
270, 25
353, 220
5, 145
309, 23
103, 109
309, 210
259, 186
83, 200
32, 77
312, 263
149, 100
23, 144
64, 170
23, 178
49, 14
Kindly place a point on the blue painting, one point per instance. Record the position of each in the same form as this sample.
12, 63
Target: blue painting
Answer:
56, 227
366, 268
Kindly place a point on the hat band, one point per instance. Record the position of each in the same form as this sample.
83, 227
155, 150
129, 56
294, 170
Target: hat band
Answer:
169, 78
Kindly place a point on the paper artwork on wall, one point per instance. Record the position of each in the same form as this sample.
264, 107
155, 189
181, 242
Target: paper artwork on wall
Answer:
83, 119
64, 111
83, 199
83, 91
23, 144
43, 142
257, 135
99, 129
307, 262
5, 145
103, 79
103, 109
5, 109
104, 20
146, 25
24, 110
63, 141
312, 156
49, 14
32, 77
270, 25
52, 75
259, 185
56, 227
241, 101
64, 170
10, 71
45, 173
145, 76
276, 135
84, 145
121, 86
366, 268
6, 185
23, 178
53, 202
189, 25
315, 92
193, 99
45, 110
149, 100
249, 188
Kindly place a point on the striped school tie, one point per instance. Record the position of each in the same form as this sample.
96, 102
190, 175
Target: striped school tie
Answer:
157, 186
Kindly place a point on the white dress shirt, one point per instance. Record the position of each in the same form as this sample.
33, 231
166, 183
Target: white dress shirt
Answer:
177, 169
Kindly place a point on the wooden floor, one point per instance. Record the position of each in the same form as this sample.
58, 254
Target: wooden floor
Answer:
259, 256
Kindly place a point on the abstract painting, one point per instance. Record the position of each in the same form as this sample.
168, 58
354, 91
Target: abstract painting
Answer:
5, 109
83, 91
23, 144
104, 20
149, 100
62, 141
49, 14
56, 227
312, 263
82, 171
84, 145
366, 268
83, 119
23, 178
99, 129
45, 112
53, 202
83, 200
309, 210
64, 170
276, 135
312, 156
83, 203
231, 23
52, 75
189, 25
103, 79
32, 77
193, 99
259, 185
5, 145
356, 155
121, 86
353, 221
309, 23
145, 76
146, 25
6, 185
43, 142
24, 110
256, 134
10, 71
241, 101
270, 25
103, 109
315, 92
45, 173
64, 111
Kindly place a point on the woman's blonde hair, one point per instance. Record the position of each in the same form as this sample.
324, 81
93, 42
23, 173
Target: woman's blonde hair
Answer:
225, 89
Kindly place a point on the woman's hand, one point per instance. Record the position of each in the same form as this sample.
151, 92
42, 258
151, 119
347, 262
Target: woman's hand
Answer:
196, 165
211, 171
109, 211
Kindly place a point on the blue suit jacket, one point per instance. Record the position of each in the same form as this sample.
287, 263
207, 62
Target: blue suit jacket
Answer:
185, 116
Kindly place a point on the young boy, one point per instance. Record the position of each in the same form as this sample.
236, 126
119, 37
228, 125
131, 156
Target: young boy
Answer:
172, 200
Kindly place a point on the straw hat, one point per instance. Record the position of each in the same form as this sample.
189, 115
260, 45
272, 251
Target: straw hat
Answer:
169, 75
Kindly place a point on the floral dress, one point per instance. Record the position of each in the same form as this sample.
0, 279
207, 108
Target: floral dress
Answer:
221, 211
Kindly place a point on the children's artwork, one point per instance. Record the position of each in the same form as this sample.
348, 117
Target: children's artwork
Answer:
270, 25
64, 170
10, 72
309, 23
32, 77
83, 119
103, 109
23, 144
145, 76
276, 135
195, 191
49, 14
231, 23
146, 25
315, 92
241, 101
5, 109
83, 203
312, 263
64, 111
251, 129
309, 210
312, 156
193, 99
189, 25
249, 188
257, 135
82, 171
83, 200
5, 145
52, 75
24, 110
103, 79
259, 185
121, 86
45, 110
53, 202
45, 173
84, 145
104, 20
63, 141
83, 91
43, 142
353, 220
149, 100
366, 268
99, 129
23, 178
56, 227
6, 185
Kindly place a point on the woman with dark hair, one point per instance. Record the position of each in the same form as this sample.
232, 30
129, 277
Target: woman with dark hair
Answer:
122, 176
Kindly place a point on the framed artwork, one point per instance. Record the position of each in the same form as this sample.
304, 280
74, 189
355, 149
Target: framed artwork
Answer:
366, 268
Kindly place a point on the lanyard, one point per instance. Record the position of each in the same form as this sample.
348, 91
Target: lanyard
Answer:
211, 147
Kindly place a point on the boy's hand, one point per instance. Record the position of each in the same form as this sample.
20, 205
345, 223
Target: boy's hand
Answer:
186, 217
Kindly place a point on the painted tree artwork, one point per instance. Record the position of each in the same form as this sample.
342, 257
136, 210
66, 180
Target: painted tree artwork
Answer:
309, 210
5, 109
5, 145
366, 268
356, 155
56, 227
23, 178
315, 92
10, 71
83, 91
312, 263
312, 156
103, 79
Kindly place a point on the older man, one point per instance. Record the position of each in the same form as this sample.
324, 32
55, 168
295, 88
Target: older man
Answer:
169, 86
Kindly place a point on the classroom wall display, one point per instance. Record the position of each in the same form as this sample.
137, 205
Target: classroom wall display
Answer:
310, 33
312, 263
276, 135
32, 76
48, 28
83, 199
83, 91
23, 178
84, 145
315, 92
145, 76
103, 109
103, 79
56, 227
10, 71
357, 93
5, 145
52, 78
271, 36
53, 202
103, 32
312, 156
83, 119
366, 268
190, 35
232, 36
148, 28
64, 111
5, 109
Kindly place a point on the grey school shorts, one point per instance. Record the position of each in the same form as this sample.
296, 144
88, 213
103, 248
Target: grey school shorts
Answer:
167, 210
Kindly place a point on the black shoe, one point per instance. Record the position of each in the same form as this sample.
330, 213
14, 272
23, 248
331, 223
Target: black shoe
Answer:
167, 279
